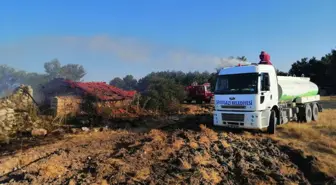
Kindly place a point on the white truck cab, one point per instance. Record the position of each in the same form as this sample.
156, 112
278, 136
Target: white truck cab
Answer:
254, 97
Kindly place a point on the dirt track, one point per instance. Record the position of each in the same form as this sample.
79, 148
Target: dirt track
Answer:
169, 155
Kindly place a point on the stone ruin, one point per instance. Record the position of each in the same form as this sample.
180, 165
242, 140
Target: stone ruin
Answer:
18, 113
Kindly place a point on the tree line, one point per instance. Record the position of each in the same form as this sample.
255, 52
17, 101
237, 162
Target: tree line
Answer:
157, 86
161, 89
10, 78
321, 71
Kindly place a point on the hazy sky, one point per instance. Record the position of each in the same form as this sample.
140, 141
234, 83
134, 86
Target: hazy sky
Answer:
115, 38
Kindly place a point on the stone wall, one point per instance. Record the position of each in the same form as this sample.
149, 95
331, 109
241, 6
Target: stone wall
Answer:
66, 105
16, 112
18, 99
72, 105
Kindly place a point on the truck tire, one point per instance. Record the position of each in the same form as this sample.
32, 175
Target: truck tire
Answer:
315, 112
272, 123
307, 113
198, 101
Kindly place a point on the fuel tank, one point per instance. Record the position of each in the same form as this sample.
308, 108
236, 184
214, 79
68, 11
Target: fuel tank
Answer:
292, 87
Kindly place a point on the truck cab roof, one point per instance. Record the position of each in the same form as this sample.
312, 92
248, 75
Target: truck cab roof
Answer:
251, 68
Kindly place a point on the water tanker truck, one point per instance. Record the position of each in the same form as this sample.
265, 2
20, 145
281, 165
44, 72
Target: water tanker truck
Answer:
254, 97
199, 93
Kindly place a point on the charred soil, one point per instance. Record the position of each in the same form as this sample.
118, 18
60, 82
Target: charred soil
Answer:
186, 151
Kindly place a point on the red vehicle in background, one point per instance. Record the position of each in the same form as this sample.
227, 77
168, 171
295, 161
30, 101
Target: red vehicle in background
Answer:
199, 93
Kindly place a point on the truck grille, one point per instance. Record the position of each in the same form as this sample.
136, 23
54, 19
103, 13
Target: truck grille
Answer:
232, 117
233, 106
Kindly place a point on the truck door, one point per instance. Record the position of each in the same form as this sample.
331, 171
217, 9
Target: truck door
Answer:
265, 93
200, 90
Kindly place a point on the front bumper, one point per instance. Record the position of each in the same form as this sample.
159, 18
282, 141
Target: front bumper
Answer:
244, 120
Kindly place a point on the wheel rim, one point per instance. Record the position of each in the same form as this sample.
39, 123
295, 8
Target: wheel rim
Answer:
315, 113
309, 113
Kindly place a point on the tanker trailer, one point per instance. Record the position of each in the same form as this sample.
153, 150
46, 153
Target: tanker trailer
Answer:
254, 97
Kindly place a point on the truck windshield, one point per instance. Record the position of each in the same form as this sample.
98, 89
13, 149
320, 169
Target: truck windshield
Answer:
246, 83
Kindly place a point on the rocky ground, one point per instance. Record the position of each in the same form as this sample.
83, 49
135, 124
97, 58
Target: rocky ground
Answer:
183, 152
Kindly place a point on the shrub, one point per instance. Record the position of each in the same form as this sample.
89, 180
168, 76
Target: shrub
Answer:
162, 94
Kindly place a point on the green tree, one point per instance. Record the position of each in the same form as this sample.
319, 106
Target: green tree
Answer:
118, 82
330, 71
126, 83
281, 73
130, 82
8, 79
162, 94
54, 69
11, 78
74, 72
321, 71
301, 67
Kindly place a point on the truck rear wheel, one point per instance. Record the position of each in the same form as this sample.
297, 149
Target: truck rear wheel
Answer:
315, 112
307, 113
272, 123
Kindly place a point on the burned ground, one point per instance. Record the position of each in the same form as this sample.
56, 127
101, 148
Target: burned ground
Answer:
185, 151
156, 157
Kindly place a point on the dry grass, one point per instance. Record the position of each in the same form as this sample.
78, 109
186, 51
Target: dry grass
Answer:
204, 140
211, 175
193, 144
178, 143
262, 183
287, 170
225, 144
52, 171
315, 138
194, 109
142, 174
212, 135
147, 148
271, 182
122, 166
104, 182
157, 135
327, 98
202, 159
72, 182
184, 165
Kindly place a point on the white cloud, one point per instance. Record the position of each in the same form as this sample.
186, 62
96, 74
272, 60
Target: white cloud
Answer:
227, 62
125, 49
122, 51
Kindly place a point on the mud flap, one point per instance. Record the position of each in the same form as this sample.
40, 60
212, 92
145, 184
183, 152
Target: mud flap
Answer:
320, 108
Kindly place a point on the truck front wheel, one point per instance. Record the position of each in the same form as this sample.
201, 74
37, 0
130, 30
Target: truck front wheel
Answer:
272, 123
